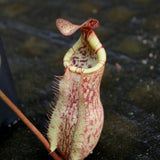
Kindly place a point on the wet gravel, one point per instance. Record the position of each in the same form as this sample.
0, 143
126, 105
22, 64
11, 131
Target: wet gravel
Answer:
130, 89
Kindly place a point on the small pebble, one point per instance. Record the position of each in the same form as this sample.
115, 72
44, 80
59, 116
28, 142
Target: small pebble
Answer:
152, 82
117, 79
134, 19
158, 137
145, 141
155, 39
155, 56
141, 80
130, 113
94, 11
148, 87
144, 41
15, 122
151, 67
152, 115
139, 37
117, 65
9, 125
152, 46
144, 61
151, 55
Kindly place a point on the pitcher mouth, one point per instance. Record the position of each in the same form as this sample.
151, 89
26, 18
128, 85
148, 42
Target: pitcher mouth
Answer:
87, 55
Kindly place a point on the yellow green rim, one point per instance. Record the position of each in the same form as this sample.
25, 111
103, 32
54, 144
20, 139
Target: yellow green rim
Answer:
96, 45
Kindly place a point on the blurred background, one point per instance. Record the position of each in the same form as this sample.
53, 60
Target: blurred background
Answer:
130, 89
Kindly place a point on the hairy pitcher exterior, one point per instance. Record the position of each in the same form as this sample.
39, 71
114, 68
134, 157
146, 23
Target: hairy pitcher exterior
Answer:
77, 120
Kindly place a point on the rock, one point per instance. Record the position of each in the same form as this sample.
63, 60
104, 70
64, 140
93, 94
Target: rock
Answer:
153, 24
133, 48
119, 14
89, 7
33, 46
146, 95
118, 136
110, 77
15, 9
3, 1
104, 33
55, 61
30, 85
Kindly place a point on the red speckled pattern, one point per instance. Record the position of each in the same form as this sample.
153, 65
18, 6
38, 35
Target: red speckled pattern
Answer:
94, 111
84, 57
67, 28
83, 105
69, 113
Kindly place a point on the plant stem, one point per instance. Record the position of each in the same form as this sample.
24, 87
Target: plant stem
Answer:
29, 125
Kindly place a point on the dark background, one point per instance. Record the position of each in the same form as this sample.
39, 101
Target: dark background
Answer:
130, 90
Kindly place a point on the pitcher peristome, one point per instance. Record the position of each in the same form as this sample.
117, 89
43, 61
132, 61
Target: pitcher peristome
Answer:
77, 120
